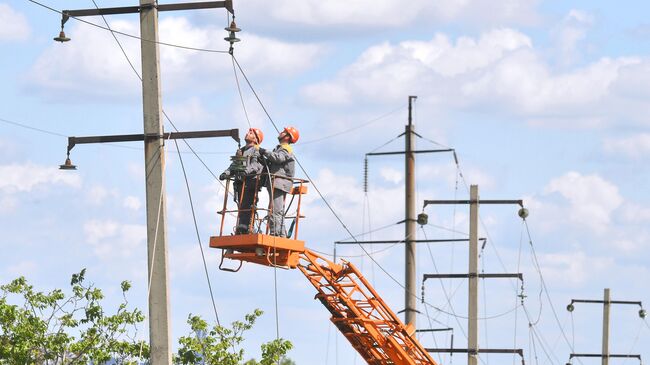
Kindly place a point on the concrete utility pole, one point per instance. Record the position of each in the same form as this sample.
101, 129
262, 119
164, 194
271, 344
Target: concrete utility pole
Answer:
410, 300
154, 158
606, 305
473, 275
472, 320
154, 155
607, 302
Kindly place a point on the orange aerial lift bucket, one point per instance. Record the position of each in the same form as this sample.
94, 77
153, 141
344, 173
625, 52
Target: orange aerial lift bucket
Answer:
257, 245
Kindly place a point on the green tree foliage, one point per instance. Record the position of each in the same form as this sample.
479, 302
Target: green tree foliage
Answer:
65, 329
221, 346
55, 328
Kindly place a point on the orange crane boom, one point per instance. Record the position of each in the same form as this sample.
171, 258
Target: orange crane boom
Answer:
358, 311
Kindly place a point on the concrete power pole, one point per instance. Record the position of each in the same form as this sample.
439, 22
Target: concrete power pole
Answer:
473, 275
607, 302
606, 305
410, 300
154, 157
472, 320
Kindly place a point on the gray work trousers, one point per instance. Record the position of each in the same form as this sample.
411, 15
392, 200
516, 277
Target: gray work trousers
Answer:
246, 206
276, 219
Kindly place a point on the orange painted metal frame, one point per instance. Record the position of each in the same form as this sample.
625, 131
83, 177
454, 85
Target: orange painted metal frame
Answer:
361, 314
259, 249
358, 311
299, 189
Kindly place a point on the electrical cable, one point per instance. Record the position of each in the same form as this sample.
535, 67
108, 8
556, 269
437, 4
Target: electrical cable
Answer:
573, 330
332, 209
386, 143
634, 342
433, 142
544, 288
32, 128
184, 173
50, 132
327, 342
364, 233
198, 236
451, 230
518, 297
453, 236
241, 97
370, 231
543, 282
487, 337
541, 340
355, 127
140, 78
442, 285
155, 237
131, 35
433, 336
465, 317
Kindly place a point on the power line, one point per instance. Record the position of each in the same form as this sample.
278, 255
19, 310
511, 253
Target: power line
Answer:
126, 56
241, 97
196, 228
131, 35
535, 263
22, 125
54, 133
331, 209
355, 127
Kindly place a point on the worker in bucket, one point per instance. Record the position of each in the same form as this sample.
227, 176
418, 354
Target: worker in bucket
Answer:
280, 165
246, 177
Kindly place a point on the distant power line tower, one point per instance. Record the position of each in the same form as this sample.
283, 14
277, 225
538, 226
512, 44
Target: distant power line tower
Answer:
606, 302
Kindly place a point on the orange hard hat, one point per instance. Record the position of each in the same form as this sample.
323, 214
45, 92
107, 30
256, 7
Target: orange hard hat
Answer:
293, 133
258, 134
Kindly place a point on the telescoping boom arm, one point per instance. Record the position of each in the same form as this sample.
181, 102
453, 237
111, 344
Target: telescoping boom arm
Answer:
361, 315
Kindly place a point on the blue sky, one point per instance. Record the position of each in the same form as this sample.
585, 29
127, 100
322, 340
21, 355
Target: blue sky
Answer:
543, 100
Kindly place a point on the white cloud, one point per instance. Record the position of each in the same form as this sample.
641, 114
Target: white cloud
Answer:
132, 202
635, 213
187, 260
100, 69
573, 269
569, 33
21, 268
7, 147
189, 112
636, 146
386, 13
499, 71
391, 175
524, 84
97, 194
592, 199
8, 204
27, 177
409, 65
110, 239
13, 25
